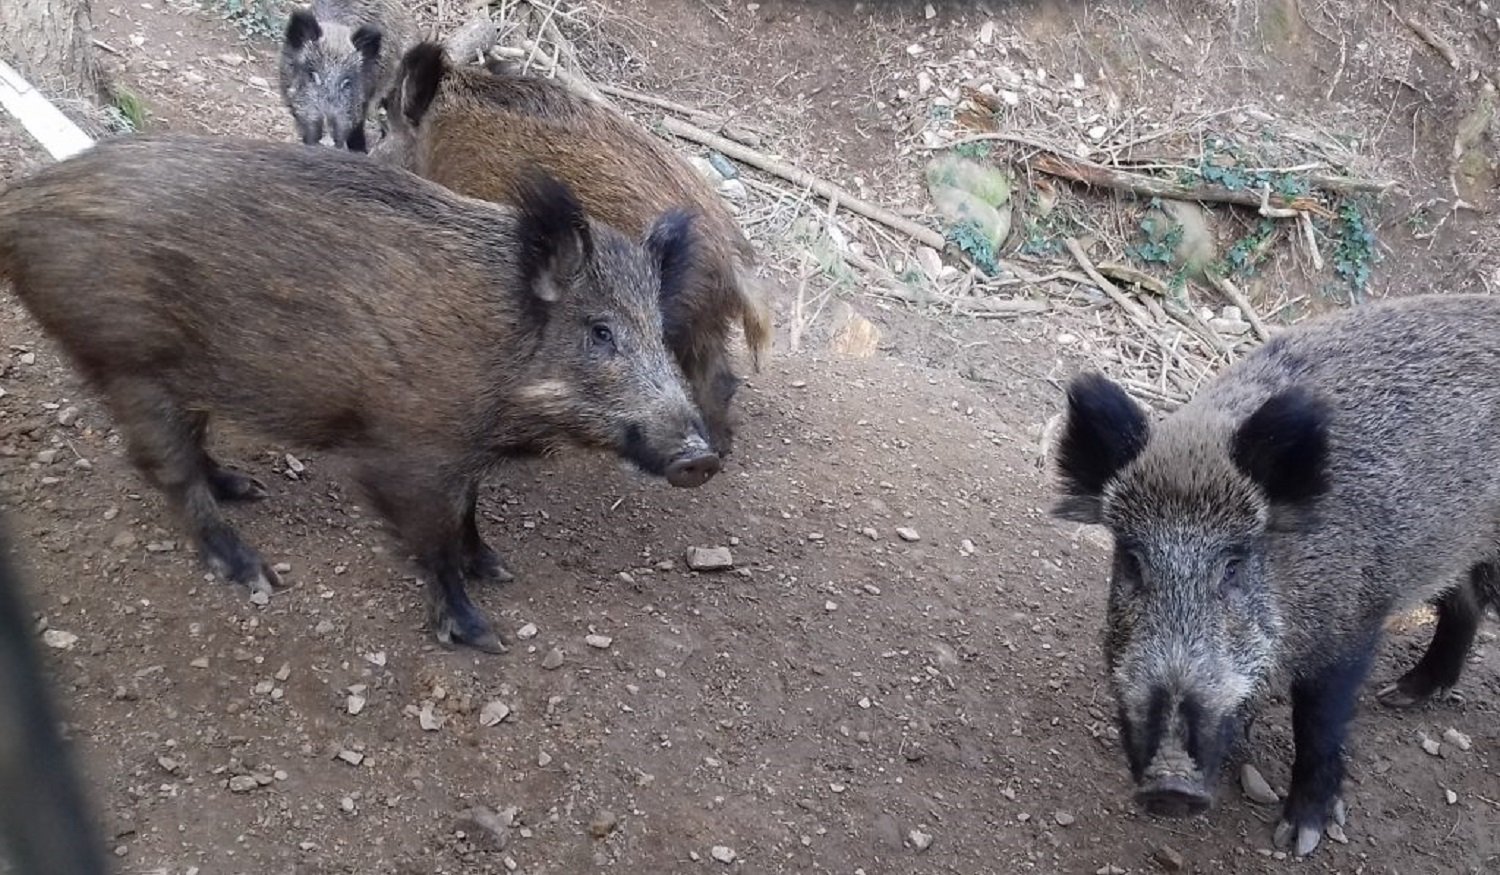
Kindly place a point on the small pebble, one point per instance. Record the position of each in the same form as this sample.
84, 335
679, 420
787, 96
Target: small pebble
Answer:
1451, 796
1063, 818
356, 703
598, 642
1432, 746
59, 640
242, 784
527, 632
1457, 739
722, 854
908, 534
1168, 858
920, 840
493, 713
553, 660
543, 760
352, 757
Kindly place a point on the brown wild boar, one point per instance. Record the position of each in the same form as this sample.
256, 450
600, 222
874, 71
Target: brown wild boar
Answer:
330, 302
474, 130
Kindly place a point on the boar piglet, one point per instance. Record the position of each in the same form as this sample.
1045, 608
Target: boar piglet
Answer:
337, 59
474, 129
1347, 470
333, 303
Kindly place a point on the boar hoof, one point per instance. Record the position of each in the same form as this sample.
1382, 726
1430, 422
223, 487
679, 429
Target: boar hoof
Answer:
1303, 839
486, 564
238, 562
233, 486
472, 632
1409, 693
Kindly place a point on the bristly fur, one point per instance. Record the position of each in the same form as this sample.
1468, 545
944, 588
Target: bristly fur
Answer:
404, 325
336, 63
1346, 470
622, 174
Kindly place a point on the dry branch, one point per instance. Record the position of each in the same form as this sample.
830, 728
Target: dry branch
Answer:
821, 187
1098, 175
1237, 298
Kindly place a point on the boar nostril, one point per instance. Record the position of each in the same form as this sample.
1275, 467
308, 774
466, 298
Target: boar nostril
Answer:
694, 470
1173, 797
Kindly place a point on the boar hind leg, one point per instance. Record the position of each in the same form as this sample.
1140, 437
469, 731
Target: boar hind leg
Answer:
432, 523
1459, 612
481, 562
1323, 703
165, 443
227, 485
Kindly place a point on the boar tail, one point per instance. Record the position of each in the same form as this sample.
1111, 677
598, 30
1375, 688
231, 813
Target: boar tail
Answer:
755, 312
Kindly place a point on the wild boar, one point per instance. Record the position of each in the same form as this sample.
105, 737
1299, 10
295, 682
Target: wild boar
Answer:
337, 59
474, 129
330, 302
1347, 470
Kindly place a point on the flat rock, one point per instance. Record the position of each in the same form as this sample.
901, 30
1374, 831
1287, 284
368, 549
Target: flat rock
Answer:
553, 660
908, 534
1168, 858
722, 853
709, 558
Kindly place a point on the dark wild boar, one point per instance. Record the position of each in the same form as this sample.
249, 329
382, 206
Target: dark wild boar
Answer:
46, 826
1346, 471
474, 130
337, 59
425, 338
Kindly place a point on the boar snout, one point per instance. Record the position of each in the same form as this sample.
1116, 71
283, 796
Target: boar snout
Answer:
1173, 796
695, 467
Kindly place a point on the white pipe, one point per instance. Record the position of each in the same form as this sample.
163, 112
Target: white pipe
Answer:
45, 122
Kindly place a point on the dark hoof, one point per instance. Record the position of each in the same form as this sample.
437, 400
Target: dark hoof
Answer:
1302, 835
486, 564
470, 631
1408, 693
230, 485
694, 470
1173, 797
238, 562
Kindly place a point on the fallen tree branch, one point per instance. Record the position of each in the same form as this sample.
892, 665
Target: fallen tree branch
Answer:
1100, 176
922, 234
1132, 309
1237, 298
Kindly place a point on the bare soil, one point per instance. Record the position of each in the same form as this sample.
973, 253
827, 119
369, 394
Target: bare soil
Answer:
843, 689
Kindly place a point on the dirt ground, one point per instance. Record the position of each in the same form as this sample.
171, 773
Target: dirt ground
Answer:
841, 698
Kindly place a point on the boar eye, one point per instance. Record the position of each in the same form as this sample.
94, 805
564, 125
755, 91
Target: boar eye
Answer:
602, 336
346, 84
1129, 568
1229, 581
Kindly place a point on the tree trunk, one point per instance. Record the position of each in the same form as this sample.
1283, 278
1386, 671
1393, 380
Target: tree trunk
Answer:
50, 43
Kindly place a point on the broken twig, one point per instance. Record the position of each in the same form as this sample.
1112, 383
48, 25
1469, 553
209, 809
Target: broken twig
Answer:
1237, 298
1089, 173
922, 234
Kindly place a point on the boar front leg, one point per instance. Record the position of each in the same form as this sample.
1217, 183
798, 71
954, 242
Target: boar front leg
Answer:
481, 562
1323, 703
431, 515
165, 442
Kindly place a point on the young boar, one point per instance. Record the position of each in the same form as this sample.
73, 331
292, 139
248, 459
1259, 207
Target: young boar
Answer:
425, 338
336, 63
474, 129
1347, 470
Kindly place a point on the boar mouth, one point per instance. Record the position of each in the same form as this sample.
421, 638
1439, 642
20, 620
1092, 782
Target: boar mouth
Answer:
1173, 796
694, 464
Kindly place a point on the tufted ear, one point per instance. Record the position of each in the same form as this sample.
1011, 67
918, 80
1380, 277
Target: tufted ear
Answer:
1283, 447
553, 237
1105, 430
367, 40
302, 28
421, 72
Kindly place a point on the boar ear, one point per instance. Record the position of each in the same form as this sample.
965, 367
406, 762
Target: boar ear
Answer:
1283, 447
422, 71
302, 28
670, 242
1104, 432
367, 42
554, 244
